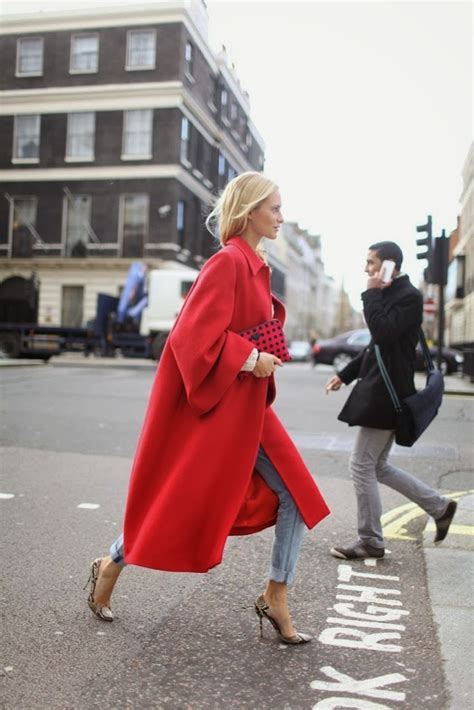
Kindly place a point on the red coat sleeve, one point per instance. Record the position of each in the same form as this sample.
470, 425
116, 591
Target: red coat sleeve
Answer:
209, 356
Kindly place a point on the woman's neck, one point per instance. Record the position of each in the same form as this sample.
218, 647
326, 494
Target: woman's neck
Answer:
251, 238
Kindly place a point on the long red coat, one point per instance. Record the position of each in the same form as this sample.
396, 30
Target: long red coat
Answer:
193, 481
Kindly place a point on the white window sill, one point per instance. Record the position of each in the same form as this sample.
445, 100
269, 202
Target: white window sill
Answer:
212, 107
226, 121
83, 71
236, 135
24, 161
136, 157
208, 184
198, 174
27, 74
189, 77
140, 68
77, 159
186, 163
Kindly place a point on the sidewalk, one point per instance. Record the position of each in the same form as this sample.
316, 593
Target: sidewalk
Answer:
454, 384
450, 571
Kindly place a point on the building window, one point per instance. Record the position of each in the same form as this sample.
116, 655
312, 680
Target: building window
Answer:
29, 56
231, 173
224, 98
80, 136
233, 111
189, 58
26, 139
141, 49
84, 54
137, 134
78, 215
184, 150
23, 225
248, 139
221, 165
135, 210
180, 221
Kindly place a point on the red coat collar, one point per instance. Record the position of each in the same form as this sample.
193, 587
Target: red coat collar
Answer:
254, 261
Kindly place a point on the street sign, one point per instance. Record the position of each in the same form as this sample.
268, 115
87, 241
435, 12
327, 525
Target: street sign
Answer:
429, 307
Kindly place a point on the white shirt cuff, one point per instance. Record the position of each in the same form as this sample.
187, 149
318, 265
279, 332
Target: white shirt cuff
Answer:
250, 362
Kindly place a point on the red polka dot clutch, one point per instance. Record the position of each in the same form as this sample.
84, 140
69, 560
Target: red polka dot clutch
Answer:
268, 337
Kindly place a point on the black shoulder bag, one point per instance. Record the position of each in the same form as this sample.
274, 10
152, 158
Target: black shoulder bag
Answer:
416, 412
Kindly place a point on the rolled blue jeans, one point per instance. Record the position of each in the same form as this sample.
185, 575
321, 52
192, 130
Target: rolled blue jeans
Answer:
289, 527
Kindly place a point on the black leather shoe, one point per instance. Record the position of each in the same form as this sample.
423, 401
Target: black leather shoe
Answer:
358, 551
443, 523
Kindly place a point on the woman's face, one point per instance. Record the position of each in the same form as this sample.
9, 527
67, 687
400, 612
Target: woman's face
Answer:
266, 219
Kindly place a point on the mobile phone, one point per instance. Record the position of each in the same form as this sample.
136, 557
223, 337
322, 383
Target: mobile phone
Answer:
387, 270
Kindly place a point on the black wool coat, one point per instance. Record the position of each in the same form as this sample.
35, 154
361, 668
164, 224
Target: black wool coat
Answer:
393, 316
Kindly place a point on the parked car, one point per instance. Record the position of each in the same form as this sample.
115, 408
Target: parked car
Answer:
340, 350
300, 350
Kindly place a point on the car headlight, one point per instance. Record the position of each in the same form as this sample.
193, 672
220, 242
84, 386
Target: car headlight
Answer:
459, 358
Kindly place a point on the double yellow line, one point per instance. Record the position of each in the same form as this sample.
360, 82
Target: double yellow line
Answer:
395, 521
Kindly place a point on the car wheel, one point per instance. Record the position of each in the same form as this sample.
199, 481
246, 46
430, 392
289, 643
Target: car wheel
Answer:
341, 360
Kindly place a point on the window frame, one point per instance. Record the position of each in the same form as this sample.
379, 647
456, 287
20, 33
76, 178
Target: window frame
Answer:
19, 73
71, 54
121, 222
189, 63
65, 219
79, 159
181, 218
15, 159
128, 156
128, 67
184, 159
13, 199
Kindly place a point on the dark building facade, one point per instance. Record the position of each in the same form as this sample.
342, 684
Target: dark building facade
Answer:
117, 128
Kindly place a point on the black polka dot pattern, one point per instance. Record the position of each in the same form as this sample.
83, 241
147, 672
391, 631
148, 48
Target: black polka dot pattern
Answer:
268, 337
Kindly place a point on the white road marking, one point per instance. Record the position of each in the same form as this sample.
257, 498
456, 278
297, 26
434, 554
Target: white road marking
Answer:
7, 495
371, 687
89, 506
101, 633
8, 669
370, 563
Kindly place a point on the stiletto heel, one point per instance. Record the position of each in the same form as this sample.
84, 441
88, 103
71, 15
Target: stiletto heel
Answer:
102, 612
261, 609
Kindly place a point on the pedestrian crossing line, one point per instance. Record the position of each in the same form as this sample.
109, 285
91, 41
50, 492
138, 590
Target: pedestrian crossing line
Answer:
394, 521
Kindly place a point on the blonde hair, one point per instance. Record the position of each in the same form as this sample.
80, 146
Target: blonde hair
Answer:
241, 195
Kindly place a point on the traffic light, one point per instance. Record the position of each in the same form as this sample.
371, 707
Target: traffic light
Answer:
441, 259
428, 253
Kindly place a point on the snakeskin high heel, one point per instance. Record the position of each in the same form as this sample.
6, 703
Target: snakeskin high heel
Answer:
261, 609
102, 612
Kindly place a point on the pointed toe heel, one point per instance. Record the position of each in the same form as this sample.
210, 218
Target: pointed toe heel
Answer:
261, 609
104, 613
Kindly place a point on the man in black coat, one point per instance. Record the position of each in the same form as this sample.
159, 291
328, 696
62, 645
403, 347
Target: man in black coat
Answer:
393, 311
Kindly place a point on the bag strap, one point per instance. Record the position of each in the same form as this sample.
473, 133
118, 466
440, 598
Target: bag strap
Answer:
426, 352
387, 380
386, 376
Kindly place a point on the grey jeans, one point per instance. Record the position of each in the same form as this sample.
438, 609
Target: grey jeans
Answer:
289, 527
368, 467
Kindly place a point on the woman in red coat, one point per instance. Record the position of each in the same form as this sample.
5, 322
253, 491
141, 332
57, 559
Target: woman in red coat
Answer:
213, 459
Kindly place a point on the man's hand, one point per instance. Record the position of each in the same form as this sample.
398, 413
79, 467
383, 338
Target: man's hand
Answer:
333, 384
266, 365
375, 281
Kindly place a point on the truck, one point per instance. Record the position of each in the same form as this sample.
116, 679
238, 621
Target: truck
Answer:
135, 324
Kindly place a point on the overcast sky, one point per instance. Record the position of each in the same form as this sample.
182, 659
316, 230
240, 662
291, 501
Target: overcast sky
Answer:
365, 108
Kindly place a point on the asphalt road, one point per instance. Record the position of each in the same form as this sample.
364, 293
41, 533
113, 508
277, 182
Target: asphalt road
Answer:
192, 641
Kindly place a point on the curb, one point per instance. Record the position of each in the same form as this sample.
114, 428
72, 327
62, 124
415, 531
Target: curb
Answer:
450, 576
